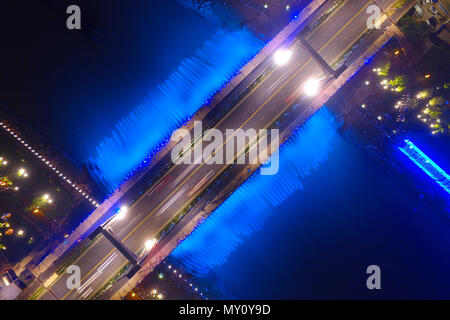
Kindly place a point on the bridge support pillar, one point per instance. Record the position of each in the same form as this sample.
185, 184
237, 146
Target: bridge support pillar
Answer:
120, 246
316, 56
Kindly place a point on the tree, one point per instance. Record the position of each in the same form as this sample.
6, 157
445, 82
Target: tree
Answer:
5, 182
39, 205
385, 70
416, 31
436, 101
399, 4
399, 83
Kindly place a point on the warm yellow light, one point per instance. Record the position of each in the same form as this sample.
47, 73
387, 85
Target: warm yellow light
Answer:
149, 244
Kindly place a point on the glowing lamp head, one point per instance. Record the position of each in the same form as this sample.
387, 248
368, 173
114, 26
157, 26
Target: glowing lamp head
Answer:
282, 56
122, 213
150, 243
312, 87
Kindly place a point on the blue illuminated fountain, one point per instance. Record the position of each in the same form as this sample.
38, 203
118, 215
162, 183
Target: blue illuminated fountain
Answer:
147, 127
246, 210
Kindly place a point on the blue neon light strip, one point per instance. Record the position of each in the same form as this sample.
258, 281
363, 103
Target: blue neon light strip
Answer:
426, 164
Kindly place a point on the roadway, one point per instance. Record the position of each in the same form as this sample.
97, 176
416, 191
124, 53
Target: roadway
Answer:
270, 99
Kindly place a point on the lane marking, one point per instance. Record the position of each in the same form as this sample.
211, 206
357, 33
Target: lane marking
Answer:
251, 117
162, 184
292, 96
326, 20
100, 262
346, 25
200, 184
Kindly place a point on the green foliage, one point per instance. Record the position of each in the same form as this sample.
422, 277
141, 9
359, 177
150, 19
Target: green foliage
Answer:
399, 4
415, 30
385, 70
5, 182
399, 83
439, 114
434, 113
437, 101
38, 203
434, 62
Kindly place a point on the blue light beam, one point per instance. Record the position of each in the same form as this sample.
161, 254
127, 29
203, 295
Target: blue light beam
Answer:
247, 209
421, 160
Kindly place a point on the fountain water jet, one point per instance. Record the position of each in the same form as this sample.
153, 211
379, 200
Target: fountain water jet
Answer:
170, 104
246, 210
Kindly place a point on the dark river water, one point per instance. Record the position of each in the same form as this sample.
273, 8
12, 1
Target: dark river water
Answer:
318, 241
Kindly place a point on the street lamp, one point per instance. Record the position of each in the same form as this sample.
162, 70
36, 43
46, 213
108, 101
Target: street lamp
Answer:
46, 198
22, 173
149, 244
282, 56
121, 213
311, 87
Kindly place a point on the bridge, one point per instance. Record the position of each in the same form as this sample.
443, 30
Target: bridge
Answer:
158, 211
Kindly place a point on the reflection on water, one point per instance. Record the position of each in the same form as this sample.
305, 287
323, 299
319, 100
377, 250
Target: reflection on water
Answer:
246, 210
316, 241
146, 127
